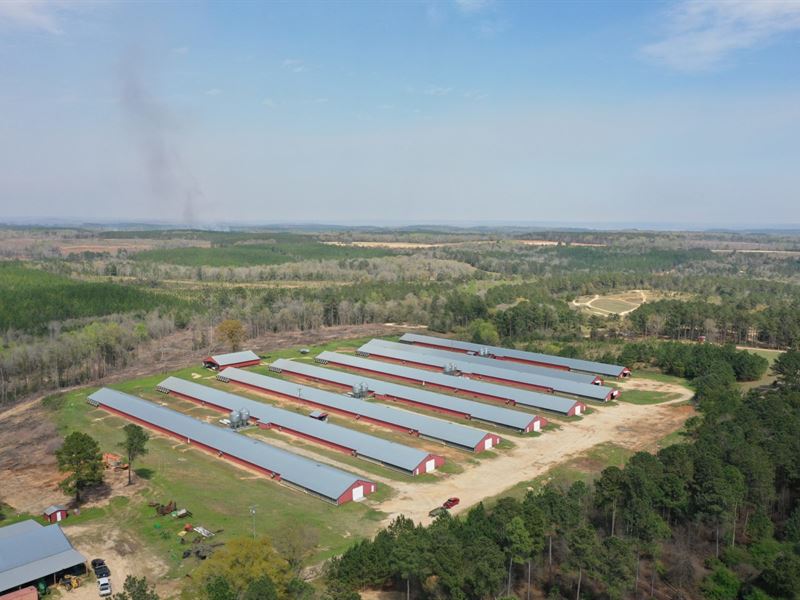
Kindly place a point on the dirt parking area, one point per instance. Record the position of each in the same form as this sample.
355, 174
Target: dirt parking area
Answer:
124, 556
635, 427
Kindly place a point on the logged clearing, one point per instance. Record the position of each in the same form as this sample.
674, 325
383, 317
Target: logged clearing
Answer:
630, 426
393, 245
556, 243
612, 304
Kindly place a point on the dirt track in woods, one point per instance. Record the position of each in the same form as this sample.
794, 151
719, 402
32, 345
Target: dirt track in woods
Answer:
631, 426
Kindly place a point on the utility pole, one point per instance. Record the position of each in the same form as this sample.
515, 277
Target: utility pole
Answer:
253, 513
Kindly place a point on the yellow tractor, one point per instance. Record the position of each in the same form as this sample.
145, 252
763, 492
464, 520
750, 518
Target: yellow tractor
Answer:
70, 582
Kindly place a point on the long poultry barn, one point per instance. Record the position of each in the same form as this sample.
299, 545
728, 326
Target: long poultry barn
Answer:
482, 361
459, 436
218, 362
395, 353
393, 455
481, 390
449, 405
324, 481
523, 356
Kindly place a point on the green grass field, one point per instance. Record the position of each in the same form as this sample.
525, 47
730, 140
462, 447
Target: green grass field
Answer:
203, 484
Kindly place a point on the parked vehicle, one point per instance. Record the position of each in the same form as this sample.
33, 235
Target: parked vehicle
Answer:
70, 582
104, 586
451, 502
100, 568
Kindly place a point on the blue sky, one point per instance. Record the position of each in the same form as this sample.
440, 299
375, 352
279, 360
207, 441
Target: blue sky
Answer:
684, 112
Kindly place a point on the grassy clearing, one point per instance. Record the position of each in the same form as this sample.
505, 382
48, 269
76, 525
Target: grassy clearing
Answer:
768, 378
586, 468
646, 397
660, 377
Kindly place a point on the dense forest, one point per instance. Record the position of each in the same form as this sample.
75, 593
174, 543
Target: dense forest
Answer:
716, 516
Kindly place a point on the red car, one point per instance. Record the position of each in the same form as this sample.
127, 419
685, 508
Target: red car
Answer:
451, 502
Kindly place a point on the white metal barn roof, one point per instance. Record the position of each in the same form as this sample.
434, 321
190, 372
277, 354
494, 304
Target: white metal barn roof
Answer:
323, 480
451, 433
519, 396
235, 358
397, 352
529, 369
30, 551
395, 455
484, 412
589, 366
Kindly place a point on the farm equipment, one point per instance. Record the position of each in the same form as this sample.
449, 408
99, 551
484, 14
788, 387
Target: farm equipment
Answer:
164, 509
70, 582
114, 461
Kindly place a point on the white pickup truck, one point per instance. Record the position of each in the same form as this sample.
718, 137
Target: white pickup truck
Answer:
104, 586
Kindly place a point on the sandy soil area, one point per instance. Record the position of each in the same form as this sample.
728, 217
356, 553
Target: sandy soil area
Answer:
636, 427
124, 556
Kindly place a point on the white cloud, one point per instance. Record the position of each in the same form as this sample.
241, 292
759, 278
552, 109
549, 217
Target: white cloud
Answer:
702, 33
213, 92
295, 65
437, 90
41, 15
475, 95
471, 6
181, 50
268, 102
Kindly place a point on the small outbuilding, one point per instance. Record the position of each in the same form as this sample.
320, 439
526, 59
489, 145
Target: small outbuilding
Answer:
55, 513
31, 552
218, 362
26, 593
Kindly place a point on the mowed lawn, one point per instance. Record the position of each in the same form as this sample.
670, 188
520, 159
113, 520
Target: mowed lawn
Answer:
218, 493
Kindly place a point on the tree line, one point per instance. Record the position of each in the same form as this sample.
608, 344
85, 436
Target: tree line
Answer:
717, 516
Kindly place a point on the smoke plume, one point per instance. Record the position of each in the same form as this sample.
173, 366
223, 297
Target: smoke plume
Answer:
156, 132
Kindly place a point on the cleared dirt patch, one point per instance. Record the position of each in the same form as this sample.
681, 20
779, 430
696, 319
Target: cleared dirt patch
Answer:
630, 426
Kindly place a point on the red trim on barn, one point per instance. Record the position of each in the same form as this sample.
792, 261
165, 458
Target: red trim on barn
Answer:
391, 398
369, 487
577, 405
472, 375
456, 389
247, 363
356, 416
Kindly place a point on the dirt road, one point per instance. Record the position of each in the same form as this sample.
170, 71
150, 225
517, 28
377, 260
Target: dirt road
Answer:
631, 426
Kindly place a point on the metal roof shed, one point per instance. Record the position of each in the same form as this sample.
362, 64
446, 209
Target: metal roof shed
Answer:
218, 362
587, 378
459, 436
494, 374
397, 456
30, 552
473, 387
534, 358
519, 421
322, 480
